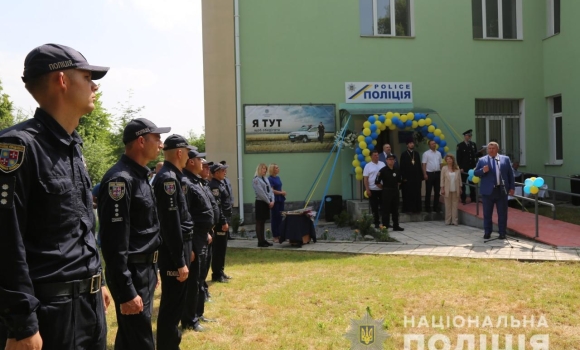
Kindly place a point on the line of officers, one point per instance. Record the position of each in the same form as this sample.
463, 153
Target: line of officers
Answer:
166, 226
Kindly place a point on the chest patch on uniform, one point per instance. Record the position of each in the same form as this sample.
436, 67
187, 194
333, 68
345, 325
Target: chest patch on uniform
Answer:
116, 190
184, 189
394, 174
215, 192
11, 156
169, 187
7, 186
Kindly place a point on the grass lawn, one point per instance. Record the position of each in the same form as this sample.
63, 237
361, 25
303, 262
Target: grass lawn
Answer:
302, 300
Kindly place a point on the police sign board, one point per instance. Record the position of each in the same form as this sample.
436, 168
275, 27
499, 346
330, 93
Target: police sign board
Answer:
367, 92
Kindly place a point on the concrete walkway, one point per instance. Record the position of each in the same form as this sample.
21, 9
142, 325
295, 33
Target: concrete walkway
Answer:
434, 238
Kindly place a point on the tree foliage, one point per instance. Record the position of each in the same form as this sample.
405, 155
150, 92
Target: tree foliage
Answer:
6, 109
196, 140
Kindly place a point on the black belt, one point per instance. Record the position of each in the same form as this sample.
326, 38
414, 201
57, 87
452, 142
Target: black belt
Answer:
188, 236
497, 186
143, 258
65, 289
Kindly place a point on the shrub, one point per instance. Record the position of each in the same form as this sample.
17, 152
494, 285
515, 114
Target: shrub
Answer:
365, 225
342, 219
236, 221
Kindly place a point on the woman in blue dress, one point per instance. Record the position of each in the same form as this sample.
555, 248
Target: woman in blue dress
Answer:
279, 199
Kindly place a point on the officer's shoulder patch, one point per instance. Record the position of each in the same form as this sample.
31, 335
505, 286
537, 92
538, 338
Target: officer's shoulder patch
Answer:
11, 156
215, 192
116, 190
7, 187
184, 188
169, 187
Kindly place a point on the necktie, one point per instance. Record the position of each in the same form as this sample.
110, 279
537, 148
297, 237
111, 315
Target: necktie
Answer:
492, 160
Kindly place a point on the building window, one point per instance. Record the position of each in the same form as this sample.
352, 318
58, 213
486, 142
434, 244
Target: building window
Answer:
556, 143
386, 17
499, 121
497, 19
553, 20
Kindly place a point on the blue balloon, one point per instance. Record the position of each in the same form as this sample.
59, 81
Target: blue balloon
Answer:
443, 143
470, 178
358, 150
409, 123
470, 172
442, 151
382, 118
425, 128
527, 189
372, 119
373, 127
361, 158
362, 164
430, 136
424, 132
370, 146
529, 182
374, 136
539, 182
395, 120
435, 125
437, 139
368, 139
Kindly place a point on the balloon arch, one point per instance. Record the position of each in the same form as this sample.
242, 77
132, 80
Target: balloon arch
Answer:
417, 122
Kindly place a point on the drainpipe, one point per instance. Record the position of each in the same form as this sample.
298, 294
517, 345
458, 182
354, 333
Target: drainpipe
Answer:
239, 110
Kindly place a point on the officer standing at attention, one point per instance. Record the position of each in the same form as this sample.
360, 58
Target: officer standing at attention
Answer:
199, 204
220, 239
175, 254
50, 281
466, 159
129, 231
205, 179
388, 179
231, 192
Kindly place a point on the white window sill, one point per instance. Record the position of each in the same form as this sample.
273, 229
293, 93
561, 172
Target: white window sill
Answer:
551, 36
496, 39
387, 36
560, 163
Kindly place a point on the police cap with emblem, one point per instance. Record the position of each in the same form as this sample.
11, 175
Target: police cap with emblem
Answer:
175, 141
140, 127
468, 132
391, 156
194, 153
217, 167
54, 57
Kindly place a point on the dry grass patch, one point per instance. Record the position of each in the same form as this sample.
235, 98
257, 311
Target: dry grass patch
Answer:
302, 300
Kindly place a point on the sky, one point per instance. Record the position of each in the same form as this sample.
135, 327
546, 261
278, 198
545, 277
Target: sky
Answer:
154, 49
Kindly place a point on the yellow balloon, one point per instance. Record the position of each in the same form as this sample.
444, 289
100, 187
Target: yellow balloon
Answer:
436, 146
398, 115
446, 149
360, 138
421, 122
358, 170
359, 176
389, 115
355, 156
533, 178
392, 127
403, 118
475, 179
410, 116
362, 145
378, 124
366, 131
365, 194
388, 122
367, 124
414, 126
366, 152
376, 116
431, 128
375, 142
356, 163
367, 159
534, 190
442, 137
383, 127
437, 132
427, 121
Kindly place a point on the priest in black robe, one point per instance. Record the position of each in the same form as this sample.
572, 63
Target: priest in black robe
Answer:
412, 175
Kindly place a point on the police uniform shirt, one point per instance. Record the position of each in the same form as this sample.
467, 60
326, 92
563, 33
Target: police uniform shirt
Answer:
128, 222
220, 192
174, 218
198, 201
466, 155
212, 199
389, 178
46, 216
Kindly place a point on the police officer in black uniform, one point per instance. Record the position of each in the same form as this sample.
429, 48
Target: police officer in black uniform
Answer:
198, 201
50, 275
175, 254
389, 179
129, 231
205, 179
231, 192
466, 159
220, 238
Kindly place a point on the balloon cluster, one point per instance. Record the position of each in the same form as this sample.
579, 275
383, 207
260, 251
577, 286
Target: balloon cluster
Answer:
471, 177
533, 184
417, 122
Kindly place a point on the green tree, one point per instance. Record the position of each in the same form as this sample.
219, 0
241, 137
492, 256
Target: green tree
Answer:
196, 140
127, 112
6, 109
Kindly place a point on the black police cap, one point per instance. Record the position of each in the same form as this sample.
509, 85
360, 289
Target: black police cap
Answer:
391, 156
193, 152
139, 127
217, 167
54, 57
175, 141
468, 132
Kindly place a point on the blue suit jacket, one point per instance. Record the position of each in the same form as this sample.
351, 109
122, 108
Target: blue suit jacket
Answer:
488, 179
383, 159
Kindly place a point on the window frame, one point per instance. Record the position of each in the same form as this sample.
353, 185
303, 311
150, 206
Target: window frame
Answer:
519, 24
551, 19
393, 20
553, 130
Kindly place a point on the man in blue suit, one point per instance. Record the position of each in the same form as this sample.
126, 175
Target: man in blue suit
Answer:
387, 152
497, 181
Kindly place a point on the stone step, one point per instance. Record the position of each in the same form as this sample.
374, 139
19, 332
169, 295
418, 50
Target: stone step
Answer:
356, 209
